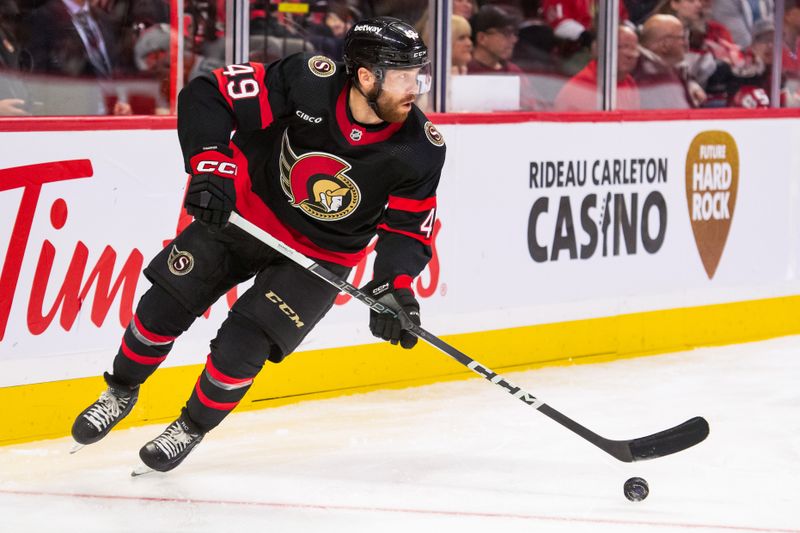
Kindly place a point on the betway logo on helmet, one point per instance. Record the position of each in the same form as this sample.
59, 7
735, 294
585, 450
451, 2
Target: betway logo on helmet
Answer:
317, 183
367, 27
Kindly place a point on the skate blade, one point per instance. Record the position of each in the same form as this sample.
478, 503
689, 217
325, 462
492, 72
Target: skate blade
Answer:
76, 447
141, 470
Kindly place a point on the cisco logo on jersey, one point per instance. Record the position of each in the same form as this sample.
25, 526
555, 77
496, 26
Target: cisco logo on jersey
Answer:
317, 183
597, 208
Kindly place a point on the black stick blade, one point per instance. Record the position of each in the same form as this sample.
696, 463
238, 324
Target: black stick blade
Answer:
669, 441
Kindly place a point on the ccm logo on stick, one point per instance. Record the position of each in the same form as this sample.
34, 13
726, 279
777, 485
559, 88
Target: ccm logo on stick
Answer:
229, 169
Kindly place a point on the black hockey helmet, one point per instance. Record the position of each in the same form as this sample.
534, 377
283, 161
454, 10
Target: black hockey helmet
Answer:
383, 42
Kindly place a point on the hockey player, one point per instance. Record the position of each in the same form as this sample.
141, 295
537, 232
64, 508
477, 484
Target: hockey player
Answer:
325, 155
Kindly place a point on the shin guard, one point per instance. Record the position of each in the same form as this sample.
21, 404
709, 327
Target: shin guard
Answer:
150, 335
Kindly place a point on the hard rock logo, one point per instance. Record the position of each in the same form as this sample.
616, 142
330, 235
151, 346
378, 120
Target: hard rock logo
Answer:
712, 181
317, 183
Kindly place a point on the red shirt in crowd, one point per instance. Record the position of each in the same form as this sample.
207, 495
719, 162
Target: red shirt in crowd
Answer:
580, 92
581, 11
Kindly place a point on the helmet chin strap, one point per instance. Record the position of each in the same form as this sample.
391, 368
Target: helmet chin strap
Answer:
372, 101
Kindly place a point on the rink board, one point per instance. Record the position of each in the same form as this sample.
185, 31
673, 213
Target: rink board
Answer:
555, 243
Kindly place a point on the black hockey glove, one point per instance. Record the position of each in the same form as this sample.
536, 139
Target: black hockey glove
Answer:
395, 294
210, 199
211, 195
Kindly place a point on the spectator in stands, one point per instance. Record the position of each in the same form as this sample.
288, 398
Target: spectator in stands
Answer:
205, 25
689, 12
739, 16
641, 10
753, 91
462, 45
71, 39
328, 38
716, 37
152, 57
791, 37
663, 47
465, 8
713, 59
14, 98
581, 92
537, 47
573, 22
790, 65
494, 34
705, 35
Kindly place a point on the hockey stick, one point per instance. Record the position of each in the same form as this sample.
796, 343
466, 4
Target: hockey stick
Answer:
659, 444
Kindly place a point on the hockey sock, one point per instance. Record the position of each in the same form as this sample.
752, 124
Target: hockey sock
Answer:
214, 396
237, 356
150, 335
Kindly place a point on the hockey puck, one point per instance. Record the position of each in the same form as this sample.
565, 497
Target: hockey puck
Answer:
636, 489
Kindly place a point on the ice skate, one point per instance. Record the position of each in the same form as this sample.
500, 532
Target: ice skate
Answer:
98, 419
169, 449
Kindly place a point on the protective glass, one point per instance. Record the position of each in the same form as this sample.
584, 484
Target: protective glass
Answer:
416, 80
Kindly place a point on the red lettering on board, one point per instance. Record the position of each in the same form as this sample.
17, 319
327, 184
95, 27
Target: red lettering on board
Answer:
73, 291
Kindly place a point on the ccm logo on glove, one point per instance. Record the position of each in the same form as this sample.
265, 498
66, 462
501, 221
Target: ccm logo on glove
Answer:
216, 167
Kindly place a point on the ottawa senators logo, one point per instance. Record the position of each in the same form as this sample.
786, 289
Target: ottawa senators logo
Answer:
180, 263
433, 134
317, 183
322, 66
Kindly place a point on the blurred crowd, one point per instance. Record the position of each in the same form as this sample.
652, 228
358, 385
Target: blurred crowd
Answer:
104, 57
672, 54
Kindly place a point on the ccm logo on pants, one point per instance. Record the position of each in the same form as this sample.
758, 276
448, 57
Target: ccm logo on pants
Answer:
288, 311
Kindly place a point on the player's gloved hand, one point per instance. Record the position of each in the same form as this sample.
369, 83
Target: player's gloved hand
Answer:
397, 295
211, 195
210, 199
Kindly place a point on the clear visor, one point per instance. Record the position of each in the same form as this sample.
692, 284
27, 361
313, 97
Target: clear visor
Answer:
414, 80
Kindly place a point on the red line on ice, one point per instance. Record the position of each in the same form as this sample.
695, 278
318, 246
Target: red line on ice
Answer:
476, 514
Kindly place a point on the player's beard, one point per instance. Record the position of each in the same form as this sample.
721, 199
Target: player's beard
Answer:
390, 107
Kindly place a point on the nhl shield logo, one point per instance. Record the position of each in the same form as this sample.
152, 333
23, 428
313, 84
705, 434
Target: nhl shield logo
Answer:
322, 66
356, 134
180, 263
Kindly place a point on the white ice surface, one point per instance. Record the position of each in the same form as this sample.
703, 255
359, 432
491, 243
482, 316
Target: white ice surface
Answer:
462, 456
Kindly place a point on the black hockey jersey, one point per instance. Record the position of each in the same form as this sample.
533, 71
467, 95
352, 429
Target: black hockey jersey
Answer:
306, 171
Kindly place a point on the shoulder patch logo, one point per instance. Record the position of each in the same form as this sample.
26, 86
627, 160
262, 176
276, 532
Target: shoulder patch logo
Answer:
322, 66
180, 263
433, 134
